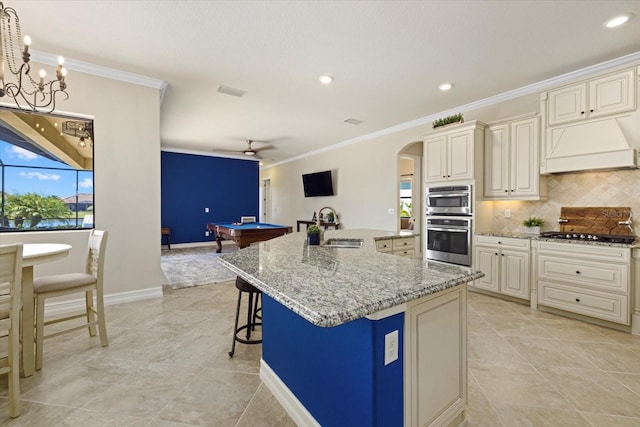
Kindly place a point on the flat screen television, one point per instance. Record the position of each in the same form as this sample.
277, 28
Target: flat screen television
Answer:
317, 184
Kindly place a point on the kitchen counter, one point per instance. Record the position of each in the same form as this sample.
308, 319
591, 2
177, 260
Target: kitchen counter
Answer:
350, 335
517, 235
331, 286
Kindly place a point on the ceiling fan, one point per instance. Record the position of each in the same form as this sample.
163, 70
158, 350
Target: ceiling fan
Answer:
250, 151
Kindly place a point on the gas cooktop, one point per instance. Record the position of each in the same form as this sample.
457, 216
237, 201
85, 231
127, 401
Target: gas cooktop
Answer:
605, 238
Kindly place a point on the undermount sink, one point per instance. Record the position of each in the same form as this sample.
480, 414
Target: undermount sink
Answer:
344, 243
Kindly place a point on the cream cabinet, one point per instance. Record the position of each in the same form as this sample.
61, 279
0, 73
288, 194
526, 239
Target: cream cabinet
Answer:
505, 262
592, 280
511, 160
397, 245
450, 154
436, 359
606, 95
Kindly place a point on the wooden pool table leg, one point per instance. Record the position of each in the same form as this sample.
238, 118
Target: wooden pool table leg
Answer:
219, 242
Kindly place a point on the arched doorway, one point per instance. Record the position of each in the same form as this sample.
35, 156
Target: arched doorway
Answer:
410, 191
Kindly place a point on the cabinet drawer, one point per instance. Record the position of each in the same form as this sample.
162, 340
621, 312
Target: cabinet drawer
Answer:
384, 245
585, 251
599, 275
602, 305
502, 242
409, 253
403, 243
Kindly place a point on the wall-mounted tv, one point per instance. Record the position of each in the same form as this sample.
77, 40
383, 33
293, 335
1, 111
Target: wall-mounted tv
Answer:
317, 184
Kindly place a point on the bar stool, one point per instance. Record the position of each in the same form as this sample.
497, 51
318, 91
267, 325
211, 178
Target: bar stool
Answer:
252, 314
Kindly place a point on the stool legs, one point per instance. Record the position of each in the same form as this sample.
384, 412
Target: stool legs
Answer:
252, 310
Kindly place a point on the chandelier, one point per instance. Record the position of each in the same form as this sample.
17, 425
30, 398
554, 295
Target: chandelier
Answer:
15, 78
82, 130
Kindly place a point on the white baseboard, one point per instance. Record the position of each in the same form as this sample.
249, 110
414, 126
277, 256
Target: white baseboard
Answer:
287, 399
56, 308
635, 324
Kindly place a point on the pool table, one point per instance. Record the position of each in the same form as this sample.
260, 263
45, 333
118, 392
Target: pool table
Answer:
245, 234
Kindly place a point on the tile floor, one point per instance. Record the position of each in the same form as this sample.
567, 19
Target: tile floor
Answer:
167, 365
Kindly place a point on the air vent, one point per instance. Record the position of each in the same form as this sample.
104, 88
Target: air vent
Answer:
353, 121
231, 91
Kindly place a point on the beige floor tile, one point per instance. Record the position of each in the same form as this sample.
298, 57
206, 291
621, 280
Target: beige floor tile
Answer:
264, 411
610, 356
75, 392
593, 391
216, 398
33, 414
83, 418
531, 416
574, 330
516, 326
492, 350
132, 400
549, 352
479, 411
631, 381
599, 420
521, 385
477, 323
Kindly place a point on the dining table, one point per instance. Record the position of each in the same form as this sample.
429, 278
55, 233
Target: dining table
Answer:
34, 254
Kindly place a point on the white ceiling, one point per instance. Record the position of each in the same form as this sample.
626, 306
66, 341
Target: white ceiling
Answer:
387, 57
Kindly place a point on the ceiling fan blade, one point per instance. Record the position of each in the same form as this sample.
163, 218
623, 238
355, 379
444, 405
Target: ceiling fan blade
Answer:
266, 147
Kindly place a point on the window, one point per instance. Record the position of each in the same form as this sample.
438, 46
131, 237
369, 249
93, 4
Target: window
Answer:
405, 198
46, 172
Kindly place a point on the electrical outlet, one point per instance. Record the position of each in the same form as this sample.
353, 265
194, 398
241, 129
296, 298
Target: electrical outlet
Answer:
391, 347
206, 210
206, 234
507, 213
391, 211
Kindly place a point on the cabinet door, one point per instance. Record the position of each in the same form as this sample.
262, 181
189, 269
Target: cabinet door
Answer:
514, 274
567, 104
486, 260
612, 94
435, 151
525, 170
460, 155
496, 160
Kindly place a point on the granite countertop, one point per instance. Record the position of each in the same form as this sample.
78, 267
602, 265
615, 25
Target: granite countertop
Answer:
516, 235
331, 286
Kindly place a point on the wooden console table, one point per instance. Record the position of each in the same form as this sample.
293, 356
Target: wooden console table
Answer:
325, 225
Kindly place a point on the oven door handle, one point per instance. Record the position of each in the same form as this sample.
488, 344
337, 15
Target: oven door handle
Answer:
448, 229
447, 195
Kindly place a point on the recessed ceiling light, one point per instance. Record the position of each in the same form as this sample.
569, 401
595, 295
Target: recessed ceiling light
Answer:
616, 21
445, 86
325, 80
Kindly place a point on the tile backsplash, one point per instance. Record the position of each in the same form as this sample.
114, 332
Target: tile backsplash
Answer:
610, 188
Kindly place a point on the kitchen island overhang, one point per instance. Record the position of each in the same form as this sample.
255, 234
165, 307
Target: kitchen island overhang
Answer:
327, 313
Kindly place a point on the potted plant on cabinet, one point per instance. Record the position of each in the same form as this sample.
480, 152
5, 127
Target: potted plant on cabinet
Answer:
313, 235
532, 225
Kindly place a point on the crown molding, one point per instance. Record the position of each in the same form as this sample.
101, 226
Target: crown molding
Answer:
209, 154
101, 71
486, 102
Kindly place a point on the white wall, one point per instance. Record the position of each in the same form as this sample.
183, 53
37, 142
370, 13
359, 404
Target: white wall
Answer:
127, 185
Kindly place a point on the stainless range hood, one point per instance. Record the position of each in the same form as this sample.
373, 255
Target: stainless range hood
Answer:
593, 145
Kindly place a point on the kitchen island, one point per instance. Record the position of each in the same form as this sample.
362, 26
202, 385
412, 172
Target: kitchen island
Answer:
356, 337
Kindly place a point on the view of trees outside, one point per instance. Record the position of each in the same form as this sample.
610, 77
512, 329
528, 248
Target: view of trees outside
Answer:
405, 198
38, 193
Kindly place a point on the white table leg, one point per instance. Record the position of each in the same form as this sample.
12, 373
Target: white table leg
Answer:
28, 351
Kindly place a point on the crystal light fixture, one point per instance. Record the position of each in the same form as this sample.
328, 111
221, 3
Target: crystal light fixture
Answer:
17, 83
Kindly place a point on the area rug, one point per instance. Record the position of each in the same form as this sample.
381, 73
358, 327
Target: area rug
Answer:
186, 267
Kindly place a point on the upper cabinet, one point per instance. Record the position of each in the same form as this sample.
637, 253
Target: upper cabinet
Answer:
610, 94
450, 154
511, 162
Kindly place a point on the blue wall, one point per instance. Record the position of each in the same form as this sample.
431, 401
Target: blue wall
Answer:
337, 373
191, 183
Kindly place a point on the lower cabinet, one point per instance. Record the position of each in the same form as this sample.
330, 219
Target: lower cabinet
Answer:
586, 279
397, 245
505, 263
436, 358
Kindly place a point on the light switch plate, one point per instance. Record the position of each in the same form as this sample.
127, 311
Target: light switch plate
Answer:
391, 347
507, 213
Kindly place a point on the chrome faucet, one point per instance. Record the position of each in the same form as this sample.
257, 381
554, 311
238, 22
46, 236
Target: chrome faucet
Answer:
319, 219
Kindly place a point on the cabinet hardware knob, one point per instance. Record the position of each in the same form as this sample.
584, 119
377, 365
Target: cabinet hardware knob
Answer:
448, 176
506, 191
591, 111
577, 299
581, 112
496, 253
502, 254
444, 176
499, 242
578, 272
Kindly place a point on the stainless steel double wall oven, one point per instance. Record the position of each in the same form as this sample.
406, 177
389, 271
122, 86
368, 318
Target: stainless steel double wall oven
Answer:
448, 228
